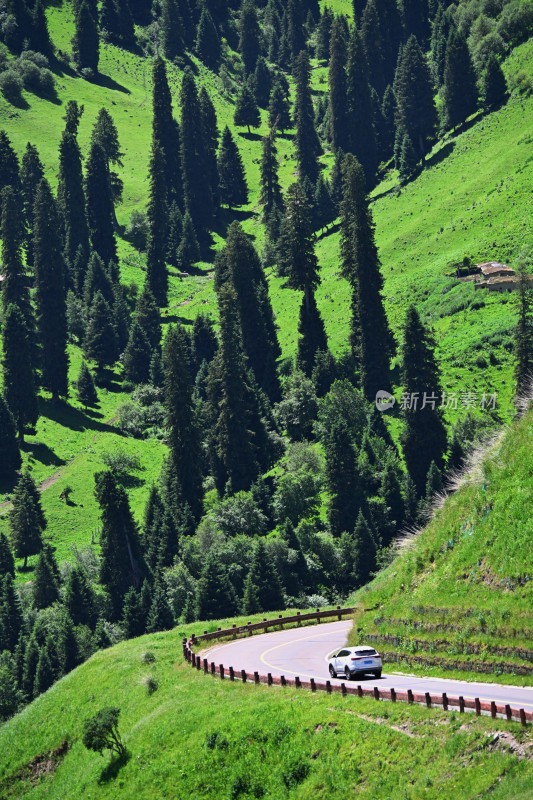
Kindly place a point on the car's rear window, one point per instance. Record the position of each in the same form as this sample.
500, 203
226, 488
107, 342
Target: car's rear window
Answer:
367, 651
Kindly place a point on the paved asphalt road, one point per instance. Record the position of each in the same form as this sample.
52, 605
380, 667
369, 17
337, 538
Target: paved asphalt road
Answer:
304, 652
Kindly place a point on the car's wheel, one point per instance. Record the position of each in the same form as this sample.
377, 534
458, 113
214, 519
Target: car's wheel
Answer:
347, 674
377, 673
332, 671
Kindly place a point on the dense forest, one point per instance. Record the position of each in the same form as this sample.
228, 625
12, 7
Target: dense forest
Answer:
282, 484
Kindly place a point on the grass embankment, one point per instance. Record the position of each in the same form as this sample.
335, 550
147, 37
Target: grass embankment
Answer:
198, 736
462, 590
479, 194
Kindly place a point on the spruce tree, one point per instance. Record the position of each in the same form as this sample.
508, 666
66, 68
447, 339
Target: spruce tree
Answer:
79, 598
45, 586
364, 551
460, 96
195, 163
264, 577
204, 341
85, 42
100, 209
10, 459
414, 96
31, 658
109, 21
407, 159
97, 279
312, 332
323, 35
270, 196
175, 232
160, 615
172, 29
374, 46
44, 673
100, 342
424, 435
9, 165
343, 479
392, 494
295, 30
133, 622
20, 391
184, 438
262, 83
137, 356
493, 85
246, 110
208, 41
26, 520
233, 186
306, 139
362, 134
50, 293
215, 596
210, 134
372, 341
256, 318
189, 249
279, 108
122, 565
388, 109
31, 174
338, 109
148, 316
85, 388
15, 283
7, 562
249, 36
11, 617
325, 207
106, 134
71, 202
156, 270
166, 132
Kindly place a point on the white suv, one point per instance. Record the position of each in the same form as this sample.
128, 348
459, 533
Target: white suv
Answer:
352, 661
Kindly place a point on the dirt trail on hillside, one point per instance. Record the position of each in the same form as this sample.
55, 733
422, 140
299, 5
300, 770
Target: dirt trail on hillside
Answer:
58, 473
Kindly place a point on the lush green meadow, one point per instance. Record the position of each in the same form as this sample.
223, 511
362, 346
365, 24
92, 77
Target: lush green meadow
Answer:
198, 736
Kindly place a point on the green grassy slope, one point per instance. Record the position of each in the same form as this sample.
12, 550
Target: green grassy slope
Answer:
462, 590
198, 736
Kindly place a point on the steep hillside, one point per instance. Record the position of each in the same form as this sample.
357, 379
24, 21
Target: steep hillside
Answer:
461, 590
197, 736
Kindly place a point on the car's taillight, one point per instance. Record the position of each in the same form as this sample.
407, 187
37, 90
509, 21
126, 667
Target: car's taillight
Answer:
358, 658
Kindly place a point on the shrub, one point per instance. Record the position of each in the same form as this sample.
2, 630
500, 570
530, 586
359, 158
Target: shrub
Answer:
76, 318
100, 732
11, 86
30, 74
239, 514
120, 462
138, 230
151, 684
148, 657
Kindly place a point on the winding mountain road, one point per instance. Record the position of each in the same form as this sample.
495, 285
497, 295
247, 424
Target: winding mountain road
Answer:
305, 651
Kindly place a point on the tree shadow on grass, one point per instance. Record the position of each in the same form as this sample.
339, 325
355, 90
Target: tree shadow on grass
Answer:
252, 137
108, 83
42, 453
441, 154
73, 418
111, 771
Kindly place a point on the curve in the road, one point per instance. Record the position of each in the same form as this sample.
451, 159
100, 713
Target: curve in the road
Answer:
304, 652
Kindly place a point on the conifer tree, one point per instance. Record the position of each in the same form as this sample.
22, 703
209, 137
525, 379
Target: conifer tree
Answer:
189, 249
364, 550
50, 293
184, 439
195, 164
249, 36
122, 565
31, 174
71, 202
233, 186
388, 108
374, 47
270, 196
306, 140
160, 616
10, 459
434, 484
414, 96
97, 279
210, 134
85, 388
68, 645
14, 286
246, 110
79, 598
264, 577
9, 165
100, 342
279, 109
106, 134
109, 21
262, 83
7, 562
460, 94
494, 84
137, 356
250, 601
442, 25
342, 478
392, 494
126, 24
415, 20
313, 337
26, 520
407, 159
100, 209
11, 618
424, 434
172, 29
44, 674
256, 318
371, 337
85, 42
133, 622
45, 587
156, 270
523, 335
148, 316
362, 135
166, 132
338, 109
325, 207
20, 391
295, 30
323, 34
208, 41
156, 370
175, 232
31, 659
204, 341
215, 596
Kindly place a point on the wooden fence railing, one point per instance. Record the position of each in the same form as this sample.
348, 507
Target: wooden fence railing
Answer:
442, 700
